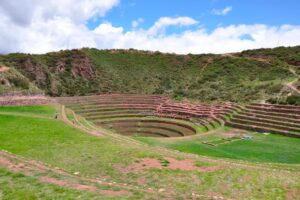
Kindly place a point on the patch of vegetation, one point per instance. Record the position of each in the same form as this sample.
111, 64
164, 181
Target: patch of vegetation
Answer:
43, 110
286, 100
164, 162
12, 82
290, 55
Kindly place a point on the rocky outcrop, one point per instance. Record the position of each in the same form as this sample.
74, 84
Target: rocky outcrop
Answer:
82, 66
35, 70
295, 63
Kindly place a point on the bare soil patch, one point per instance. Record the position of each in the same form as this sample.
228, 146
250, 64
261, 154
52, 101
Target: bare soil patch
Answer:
55, 181
3, 68
168, 163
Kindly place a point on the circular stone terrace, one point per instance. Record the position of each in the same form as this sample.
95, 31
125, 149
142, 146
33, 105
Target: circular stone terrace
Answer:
146, 115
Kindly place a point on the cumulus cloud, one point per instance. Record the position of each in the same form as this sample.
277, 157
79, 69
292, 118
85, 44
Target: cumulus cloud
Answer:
164, 22
223, 12
23, 12
41, 31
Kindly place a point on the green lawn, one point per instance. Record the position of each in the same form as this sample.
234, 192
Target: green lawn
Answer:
261, 148
54, 142
43, 110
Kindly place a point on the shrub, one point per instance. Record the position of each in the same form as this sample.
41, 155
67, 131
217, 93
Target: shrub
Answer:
293, 100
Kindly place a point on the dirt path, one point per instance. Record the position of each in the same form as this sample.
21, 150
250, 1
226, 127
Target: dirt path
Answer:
291, 84
209, 60
266, 60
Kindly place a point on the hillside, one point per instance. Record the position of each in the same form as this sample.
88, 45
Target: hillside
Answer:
243, 77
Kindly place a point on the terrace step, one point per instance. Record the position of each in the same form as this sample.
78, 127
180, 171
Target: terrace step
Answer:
101, 113
262, 129
277, 106
162, 130
181, 130
102, 107
113, 103
265, 120
285, 115
274, 109
160, 121
266, 125
271, 117
145, 134
115, 116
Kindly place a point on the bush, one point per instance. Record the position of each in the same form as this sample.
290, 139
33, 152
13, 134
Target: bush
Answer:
293, 100
19, 82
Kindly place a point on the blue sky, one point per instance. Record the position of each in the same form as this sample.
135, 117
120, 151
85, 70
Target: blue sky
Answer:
176, 26
270, 12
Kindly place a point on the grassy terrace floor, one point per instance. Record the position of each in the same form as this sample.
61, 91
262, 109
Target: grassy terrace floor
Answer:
260, 148
35, 134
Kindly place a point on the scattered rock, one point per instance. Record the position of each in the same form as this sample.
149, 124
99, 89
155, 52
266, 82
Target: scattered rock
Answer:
161, 190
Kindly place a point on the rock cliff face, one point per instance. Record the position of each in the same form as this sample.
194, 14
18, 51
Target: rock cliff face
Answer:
295, 63
81, 66
35, 70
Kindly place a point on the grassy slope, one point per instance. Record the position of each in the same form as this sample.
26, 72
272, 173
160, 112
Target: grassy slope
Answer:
224, 79
198, 77
262, 148
20, 187
42, 110
289, 55
17, 83
53, 142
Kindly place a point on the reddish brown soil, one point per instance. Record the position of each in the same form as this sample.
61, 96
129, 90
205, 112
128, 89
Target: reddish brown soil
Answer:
55, 181
184, 165
3, 68
35, 70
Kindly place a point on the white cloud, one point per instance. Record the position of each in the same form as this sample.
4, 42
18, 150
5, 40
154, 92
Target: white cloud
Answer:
23, 12
223, 12
136, 23
42, 31
164, 22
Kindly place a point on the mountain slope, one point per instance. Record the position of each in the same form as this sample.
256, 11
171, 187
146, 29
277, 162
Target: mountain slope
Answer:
204, 77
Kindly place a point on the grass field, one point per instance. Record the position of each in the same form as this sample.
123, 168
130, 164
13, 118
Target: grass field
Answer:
17, 186
41, 110
261, 148
54, 143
